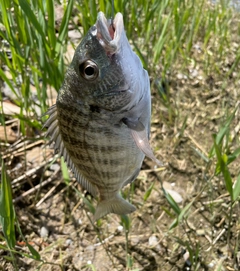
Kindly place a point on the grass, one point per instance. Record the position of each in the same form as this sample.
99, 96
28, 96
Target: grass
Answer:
174, 40
36, 54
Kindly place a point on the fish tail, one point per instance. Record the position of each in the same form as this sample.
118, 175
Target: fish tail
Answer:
116, 205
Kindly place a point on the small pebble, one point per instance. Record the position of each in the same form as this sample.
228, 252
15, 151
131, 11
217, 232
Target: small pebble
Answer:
200, 232
69, 242
54, 167
90, 248
211, 265
152, 241
135, 240
186, 256
180, 76
175, 195
44, 232
194, 73
197, 46
17, 167
120, 228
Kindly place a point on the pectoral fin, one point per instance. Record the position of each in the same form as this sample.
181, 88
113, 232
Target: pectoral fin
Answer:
141, 139
135, 125
140, 136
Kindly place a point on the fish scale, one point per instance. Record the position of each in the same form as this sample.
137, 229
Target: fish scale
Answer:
94, 151
101, 121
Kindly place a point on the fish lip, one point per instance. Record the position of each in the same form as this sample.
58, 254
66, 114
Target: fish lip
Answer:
109, 32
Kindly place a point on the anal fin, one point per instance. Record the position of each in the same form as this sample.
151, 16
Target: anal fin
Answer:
92, 189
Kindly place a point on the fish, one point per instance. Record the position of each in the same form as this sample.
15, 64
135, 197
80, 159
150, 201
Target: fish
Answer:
101, 120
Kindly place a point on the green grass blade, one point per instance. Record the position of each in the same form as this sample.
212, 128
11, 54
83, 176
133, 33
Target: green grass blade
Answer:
8, 82
148, 192
181, 215
222, 161
236, 188
232, 157
64, 25
93, 9
161, 41
31, 16
65, 172
222, 132
92, 267
172, 202
35, 255
51, 23
126, 222
85, 200
7, 213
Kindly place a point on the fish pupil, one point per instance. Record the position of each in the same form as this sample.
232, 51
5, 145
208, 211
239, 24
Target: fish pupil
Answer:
89, 71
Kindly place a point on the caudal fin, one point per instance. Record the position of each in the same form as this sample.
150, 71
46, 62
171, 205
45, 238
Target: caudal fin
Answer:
116, 205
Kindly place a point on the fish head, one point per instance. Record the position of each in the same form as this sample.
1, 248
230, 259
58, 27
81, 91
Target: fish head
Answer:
104, 68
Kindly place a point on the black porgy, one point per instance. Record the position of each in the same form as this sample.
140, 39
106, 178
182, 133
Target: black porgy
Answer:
101, 120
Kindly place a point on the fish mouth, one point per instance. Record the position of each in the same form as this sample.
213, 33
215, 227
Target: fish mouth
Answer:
109, 32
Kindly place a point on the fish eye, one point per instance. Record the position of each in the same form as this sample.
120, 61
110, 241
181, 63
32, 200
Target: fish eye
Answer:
89, 70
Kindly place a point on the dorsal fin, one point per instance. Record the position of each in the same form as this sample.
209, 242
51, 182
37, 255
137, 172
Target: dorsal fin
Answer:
55, 135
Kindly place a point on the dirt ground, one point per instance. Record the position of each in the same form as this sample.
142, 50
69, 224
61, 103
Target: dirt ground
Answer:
56, 222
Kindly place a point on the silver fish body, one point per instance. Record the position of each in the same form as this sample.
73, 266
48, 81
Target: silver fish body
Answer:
101, 121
